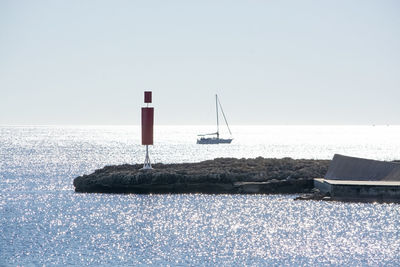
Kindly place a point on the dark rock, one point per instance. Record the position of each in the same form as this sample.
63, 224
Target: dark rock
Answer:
221, 175
314, 195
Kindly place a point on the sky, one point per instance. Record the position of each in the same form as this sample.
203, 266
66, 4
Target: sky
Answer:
270, 62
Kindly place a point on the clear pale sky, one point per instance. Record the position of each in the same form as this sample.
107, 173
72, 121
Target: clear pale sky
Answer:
271, 62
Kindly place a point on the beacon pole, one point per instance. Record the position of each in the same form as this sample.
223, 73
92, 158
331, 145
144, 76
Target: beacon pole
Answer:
147, 128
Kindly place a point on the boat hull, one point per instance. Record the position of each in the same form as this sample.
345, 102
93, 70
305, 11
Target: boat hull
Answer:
212, 141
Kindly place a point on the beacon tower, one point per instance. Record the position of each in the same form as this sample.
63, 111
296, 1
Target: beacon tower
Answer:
147, 127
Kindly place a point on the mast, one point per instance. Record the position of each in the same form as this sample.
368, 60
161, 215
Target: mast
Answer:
223, 113
216, 107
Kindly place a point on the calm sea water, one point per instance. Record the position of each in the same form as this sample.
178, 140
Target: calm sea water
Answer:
42, 220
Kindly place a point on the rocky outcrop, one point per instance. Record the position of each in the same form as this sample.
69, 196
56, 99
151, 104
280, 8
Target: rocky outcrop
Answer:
221, 175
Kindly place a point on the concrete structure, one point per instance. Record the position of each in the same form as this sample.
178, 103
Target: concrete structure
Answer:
350, 178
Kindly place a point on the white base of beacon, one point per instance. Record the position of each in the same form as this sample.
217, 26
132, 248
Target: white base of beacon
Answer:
147, 163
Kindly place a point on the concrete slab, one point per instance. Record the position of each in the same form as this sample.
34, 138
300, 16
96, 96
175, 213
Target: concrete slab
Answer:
352, 182
359, 191
359, 169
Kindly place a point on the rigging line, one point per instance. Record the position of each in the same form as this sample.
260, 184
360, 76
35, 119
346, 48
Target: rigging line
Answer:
216, 108
224, 116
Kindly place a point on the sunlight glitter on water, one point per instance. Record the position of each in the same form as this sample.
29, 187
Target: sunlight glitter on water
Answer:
42, 221
200, 230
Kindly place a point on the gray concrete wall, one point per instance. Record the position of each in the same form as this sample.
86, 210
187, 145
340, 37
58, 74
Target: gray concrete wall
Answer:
322, 186
378, 193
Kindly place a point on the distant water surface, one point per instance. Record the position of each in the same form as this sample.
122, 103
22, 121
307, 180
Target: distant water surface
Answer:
42, 220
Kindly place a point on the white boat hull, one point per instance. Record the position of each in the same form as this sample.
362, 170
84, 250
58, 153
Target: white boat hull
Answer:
210, 141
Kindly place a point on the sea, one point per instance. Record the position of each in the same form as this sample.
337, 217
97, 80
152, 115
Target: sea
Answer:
44, 222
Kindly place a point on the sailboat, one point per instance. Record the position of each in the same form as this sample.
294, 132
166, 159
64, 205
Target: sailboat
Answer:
215, 140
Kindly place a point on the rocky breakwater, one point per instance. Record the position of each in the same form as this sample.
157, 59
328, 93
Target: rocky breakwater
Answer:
218, 176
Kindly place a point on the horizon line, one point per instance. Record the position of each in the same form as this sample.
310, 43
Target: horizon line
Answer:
119, 125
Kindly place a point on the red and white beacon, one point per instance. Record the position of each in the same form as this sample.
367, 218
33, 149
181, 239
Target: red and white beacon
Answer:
147, 128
